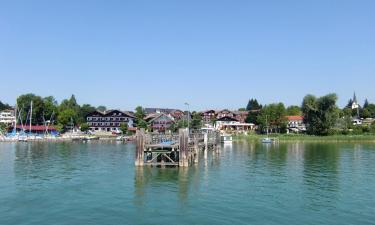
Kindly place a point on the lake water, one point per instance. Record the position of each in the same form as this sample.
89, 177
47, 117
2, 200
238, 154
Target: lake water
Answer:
247, 183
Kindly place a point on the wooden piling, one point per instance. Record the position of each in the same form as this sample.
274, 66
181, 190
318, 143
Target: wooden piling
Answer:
184, 147
140, 140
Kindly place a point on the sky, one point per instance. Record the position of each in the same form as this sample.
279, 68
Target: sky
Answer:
211, 54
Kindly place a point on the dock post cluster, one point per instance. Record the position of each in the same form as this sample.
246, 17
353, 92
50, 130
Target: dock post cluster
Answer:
181, 149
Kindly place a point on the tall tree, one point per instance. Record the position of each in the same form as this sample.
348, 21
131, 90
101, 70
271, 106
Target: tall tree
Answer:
139, 117
101, 108
72, 108
365, 105
320, 114
84, 111
293, 110
24, 106
253, 105
50, 108
196, 121
273, 116
4, 106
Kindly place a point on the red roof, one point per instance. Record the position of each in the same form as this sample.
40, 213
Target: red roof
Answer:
36, 127
290, 118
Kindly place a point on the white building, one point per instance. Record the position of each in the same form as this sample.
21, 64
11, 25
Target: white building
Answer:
8, 117
355, 104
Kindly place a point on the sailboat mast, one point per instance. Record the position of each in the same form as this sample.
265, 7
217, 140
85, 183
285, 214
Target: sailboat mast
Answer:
31, 116
15, 122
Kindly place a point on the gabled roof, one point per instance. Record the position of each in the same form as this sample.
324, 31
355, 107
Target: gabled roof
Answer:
208, 111
155, 116
225, 110
154, 110
290, 118
108, 112
227, 118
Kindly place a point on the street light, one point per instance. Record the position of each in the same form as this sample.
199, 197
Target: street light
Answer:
188, 119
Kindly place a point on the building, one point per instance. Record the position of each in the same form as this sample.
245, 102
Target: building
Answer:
208, 116
37, 129
354, 102
109, 121
8, 117
159, 121
241, 115
225, 113
295, 124
175, 114
232, 125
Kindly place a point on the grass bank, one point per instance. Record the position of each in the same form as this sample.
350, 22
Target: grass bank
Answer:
366, 138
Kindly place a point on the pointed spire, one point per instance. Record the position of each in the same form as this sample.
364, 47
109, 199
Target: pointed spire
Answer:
354, 98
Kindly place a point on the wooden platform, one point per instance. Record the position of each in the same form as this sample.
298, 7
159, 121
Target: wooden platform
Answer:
154, 149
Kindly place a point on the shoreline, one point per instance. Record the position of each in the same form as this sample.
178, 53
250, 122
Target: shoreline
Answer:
285, 138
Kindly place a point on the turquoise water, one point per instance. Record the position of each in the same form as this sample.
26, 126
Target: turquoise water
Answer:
93, 183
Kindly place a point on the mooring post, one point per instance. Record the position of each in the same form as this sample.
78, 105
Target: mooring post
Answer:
184, 145
140, 140
217, 142
205, 145
196, 150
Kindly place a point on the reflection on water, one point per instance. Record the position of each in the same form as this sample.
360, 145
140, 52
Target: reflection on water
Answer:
246, 182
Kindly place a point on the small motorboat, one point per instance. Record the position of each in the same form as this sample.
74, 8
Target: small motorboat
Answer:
226, 138
267, 140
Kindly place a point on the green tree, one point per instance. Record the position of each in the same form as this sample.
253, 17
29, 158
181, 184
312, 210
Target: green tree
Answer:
365, 113
24, 106
365, 105
252, 116
4, 106
3, 128
101, 108
139, 118
84, 111
50, 108
124, 128
371, 109
320, 114
139, 113
196, 121
66, 116
253, 105
293, 110
273, 116
72, 108
142, 124
84, 127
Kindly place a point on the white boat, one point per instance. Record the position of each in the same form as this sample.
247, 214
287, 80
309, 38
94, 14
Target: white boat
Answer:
22, 138
267, 140
119, 138
226, 138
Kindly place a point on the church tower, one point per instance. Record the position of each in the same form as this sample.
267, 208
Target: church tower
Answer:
355, 104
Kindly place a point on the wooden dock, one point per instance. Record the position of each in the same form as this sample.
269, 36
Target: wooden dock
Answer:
180, 149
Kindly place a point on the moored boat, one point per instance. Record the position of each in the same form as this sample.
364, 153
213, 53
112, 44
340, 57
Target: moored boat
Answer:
226, 138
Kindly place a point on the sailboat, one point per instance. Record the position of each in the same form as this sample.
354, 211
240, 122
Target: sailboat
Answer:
267, 139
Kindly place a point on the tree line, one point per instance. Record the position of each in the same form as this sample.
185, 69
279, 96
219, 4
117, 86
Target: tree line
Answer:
321, 115
47, 109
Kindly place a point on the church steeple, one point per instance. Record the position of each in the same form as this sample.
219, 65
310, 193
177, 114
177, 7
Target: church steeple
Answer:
355, 98
355, 104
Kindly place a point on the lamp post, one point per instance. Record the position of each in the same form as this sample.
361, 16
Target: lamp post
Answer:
188, 114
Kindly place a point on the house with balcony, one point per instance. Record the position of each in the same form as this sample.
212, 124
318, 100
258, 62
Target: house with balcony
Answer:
208, 116
160, 122
8, 117
109, 121
295, 124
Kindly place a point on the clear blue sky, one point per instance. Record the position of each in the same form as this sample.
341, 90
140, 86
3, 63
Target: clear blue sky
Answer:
212, 54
